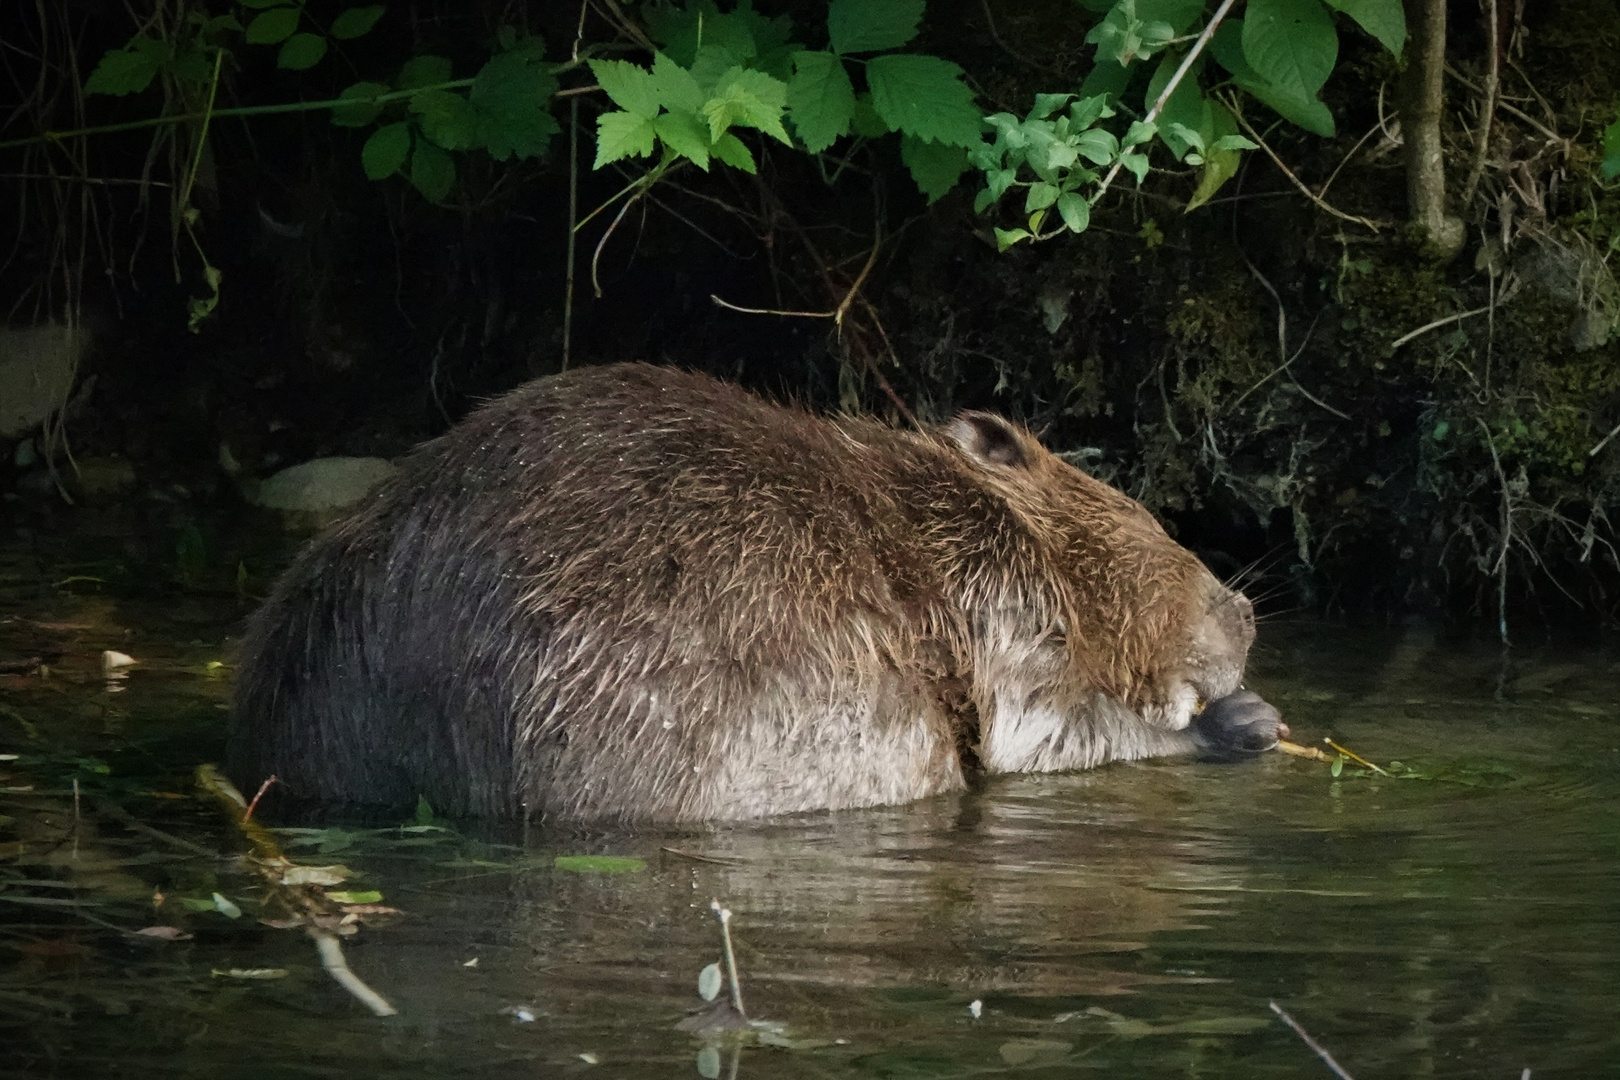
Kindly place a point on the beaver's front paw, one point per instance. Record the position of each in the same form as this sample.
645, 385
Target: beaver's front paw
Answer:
1237, 725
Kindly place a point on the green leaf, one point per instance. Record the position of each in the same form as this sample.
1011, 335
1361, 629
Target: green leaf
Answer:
355, 896
630, 86
420, 71
872, 25
1291, 44
1136, 165
273, 26
598, 864
385, 150
1006, 238
1139, 133
1097, 146
1305, 111
731, 150
924, 96
128, 70
447, 118
364, 110
301, 52
1186, 109
1075, 211
424, 811
750, 99
1221, 158
935, 166
1338, 766
433, 171
677, 88
866, 123
1383, 19
622, 135
511, 93
356, 21
685, 134
1107, 78
709, 982
1611, 150
820, 99
1041, 196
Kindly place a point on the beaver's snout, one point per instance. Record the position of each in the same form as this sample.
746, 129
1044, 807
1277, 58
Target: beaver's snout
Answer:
1240, 723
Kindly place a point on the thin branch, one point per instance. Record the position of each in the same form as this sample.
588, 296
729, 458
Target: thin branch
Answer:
1425, 328
1297, 182
1334, 175
1487, 107
1321, 1052
729, 306
1169, 88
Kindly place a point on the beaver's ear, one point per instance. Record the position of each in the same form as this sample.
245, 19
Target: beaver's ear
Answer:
988, 439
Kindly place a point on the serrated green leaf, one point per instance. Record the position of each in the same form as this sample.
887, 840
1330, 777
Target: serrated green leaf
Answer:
685, 134
301, 52
433, 171
855, 26
1383, 19
363, 111
820, 99
731, 150
128, 70
272, 27
677, 88
512, 92
447, 118
1291, 44
420, 71
385, 151
934, 166
925, 97
866, 122
709, 982
713, 61
1075, 211
630, 86
621, 135
749, 99
599, 864
1006, 238
356, 21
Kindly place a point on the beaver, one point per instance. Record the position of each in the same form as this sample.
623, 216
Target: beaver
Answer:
633, 592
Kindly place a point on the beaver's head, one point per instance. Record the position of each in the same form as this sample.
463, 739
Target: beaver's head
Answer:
1133, 614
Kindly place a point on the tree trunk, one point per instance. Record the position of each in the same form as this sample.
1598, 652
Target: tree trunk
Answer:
1422, 98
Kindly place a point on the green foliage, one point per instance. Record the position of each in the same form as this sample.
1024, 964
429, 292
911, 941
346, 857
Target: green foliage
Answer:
1611, 151
1282, 53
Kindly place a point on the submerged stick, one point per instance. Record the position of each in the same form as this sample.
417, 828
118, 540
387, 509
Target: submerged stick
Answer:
1321, 1052
724, 915
331, 952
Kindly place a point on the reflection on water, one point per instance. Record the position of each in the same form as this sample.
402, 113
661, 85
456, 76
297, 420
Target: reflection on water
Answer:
1134, 920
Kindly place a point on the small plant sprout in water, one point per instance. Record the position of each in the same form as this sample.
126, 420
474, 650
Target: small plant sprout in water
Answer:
722, 1014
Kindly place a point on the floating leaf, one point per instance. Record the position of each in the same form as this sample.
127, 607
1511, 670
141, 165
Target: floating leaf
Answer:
599, 864
709, 982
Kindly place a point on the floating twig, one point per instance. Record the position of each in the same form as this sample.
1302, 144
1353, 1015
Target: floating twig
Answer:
1357, 758
1321, 1051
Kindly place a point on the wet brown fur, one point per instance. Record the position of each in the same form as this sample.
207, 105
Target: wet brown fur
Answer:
637, 592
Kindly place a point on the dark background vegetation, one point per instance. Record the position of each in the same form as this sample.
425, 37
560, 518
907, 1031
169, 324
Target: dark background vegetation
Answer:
1439, 478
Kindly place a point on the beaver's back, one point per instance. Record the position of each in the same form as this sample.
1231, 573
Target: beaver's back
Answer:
626, 591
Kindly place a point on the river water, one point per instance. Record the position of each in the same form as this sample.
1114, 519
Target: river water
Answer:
1458, 918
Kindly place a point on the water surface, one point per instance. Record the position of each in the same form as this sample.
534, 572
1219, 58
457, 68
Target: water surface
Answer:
1460, 920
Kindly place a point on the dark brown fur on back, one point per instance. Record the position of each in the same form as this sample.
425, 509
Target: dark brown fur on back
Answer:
636, 592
